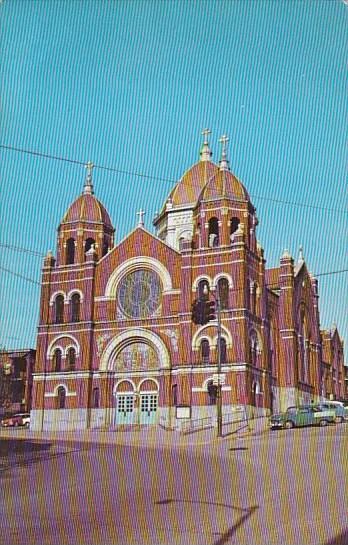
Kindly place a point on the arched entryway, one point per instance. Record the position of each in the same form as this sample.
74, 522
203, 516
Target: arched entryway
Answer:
125, 403
148, 400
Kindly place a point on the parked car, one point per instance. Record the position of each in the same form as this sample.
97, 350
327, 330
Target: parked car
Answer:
340, 410
306, 415
19, 419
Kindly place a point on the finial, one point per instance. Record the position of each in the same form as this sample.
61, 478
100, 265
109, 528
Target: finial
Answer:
286, 254
300, 255
88, 187
224, 161
205, 153
141, 215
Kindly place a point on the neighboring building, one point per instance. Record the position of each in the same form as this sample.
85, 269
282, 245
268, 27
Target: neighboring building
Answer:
116, 342
333, 378
16, 370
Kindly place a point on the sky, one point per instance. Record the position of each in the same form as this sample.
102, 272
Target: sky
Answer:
131, 85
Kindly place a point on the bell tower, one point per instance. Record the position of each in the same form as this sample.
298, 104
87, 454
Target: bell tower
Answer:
86, 224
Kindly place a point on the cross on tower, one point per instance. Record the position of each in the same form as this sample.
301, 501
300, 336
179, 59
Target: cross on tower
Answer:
206, 133
88, 187
89, 166
141, 215
224, 141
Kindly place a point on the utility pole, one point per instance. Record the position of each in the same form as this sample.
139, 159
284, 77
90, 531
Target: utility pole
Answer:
219, 387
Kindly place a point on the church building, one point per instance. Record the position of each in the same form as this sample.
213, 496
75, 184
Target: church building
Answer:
116, 342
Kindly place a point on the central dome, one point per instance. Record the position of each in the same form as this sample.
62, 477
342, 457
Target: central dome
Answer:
189, 188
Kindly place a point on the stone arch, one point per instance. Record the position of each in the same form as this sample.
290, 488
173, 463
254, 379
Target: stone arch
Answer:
199, 335
52, 346
118, 343
134, 264
222, 275
72, 292
198, 280
55, 294
148, 382
124, 381
61, 385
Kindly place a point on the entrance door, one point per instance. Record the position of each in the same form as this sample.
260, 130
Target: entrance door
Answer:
125, 413
148, 408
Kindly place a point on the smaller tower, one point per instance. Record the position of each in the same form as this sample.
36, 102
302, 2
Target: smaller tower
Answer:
85, 224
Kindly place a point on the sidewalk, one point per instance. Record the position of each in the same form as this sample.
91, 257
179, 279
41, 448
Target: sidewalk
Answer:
148, 436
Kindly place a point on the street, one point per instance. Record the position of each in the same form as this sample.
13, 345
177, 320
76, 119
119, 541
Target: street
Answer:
283, 487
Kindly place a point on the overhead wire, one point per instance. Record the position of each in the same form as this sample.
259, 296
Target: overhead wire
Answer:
163, 179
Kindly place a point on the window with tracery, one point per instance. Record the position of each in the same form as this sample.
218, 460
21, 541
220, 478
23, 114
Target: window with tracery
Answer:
139, 294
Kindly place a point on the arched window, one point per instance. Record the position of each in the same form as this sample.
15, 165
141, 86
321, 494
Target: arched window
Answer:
234, 227
213, 232
71, 358
105, 247
88, 244
175, 395
59, 309
61, 395
57, 360
96, 398
70, 251
223, 350
203, 289
254, 347
223, 289
205, 351
75, 307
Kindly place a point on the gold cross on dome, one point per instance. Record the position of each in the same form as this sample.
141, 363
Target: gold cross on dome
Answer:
141, 215
89, 166
206, 133
224, 141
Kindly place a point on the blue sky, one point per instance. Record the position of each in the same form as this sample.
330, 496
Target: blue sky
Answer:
130, 85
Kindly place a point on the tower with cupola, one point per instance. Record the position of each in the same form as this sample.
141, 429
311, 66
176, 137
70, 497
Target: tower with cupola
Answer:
86, 223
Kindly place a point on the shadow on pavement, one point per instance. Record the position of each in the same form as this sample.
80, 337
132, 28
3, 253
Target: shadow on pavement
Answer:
24, 452
340, 539
9, 446
247, 512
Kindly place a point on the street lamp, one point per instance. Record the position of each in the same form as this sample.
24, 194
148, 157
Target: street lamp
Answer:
219, 385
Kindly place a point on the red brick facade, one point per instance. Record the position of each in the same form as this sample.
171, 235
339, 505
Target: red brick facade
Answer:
116, 342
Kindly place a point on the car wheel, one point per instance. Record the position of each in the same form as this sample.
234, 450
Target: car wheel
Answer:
339, 419
322, 423
27, 424
288, 424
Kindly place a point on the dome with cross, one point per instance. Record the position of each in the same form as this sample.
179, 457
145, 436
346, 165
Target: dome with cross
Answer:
87, 208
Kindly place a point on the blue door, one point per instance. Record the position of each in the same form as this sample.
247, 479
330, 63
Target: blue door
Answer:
125, 413
148, 408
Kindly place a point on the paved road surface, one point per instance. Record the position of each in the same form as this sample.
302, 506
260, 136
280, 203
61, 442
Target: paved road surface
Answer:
287, 487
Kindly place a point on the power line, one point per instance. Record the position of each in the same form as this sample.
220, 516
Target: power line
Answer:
76, 162
21, 249
20, 276
160, 179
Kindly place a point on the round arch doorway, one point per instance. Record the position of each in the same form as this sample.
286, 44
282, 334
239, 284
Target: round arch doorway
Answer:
136, 405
